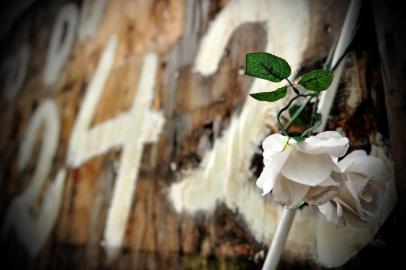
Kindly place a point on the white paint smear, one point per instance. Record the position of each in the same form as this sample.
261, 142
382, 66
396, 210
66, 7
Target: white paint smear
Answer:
224, 175
33, 231
130, 130
90, 15
61, 42
228, 162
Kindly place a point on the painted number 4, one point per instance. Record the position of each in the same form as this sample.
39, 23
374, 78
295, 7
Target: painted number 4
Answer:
130, 130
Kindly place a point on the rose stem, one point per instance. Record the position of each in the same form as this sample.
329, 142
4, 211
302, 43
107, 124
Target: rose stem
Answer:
279, 239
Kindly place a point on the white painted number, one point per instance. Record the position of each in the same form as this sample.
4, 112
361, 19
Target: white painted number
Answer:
60, 46
33, 231
90, 15
130, 130
15, 69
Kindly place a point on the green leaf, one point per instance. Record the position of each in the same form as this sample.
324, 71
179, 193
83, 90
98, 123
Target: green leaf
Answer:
271, 96
267, 66
317, 80
299, 139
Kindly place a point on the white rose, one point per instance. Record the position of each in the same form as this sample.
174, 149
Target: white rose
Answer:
297, 172
359, 200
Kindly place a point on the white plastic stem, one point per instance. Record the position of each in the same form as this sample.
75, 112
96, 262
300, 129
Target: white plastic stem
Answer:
279, 240
346, 35
324, 107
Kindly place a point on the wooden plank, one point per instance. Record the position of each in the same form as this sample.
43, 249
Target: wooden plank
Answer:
389, 23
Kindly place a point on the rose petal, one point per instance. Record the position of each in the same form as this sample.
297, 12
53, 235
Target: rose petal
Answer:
266, 180
340, 211
335, 179
371, 202
347, 207
350, 158
369, 166
289, 193
350, 215
321, 195
358, 181
347, 199
307, 169
325, 191
262, 178
367, 193
330, 142
274, 144
332, 213
278, 193
335, 167
328, 210
352, 190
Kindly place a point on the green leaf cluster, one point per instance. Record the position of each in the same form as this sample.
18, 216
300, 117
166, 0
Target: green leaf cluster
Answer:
275, 69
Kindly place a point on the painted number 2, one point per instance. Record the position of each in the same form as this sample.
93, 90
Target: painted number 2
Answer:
32, 231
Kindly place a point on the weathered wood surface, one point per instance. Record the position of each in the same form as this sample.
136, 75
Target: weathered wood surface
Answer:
391, 40
197, 110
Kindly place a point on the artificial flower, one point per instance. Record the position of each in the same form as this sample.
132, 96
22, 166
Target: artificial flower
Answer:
298, 172
359, 201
